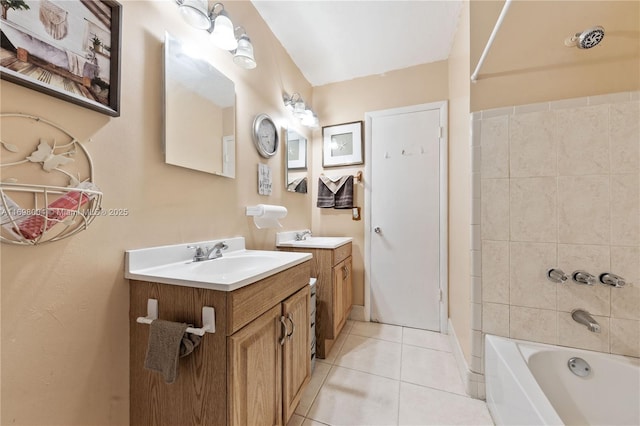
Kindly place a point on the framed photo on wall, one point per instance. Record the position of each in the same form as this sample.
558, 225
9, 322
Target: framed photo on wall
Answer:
343, 144
67, 49
296, 153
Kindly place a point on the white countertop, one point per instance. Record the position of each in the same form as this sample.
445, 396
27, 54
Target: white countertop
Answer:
236, 268
288, 239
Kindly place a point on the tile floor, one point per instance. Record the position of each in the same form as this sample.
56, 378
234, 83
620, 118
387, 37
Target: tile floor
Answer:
378, 374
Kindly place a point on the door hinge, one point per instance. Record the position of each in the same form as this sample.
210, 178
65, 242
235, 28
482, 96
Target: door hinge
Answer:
439, 132
440, 294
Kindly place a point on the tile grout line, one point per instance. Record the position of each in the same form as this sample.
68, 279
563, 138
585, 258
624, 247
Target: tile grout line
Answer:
400, 375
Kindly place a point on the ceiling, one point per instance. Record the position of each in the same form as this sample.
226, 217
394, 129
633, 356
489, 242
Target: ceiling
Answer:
333, 41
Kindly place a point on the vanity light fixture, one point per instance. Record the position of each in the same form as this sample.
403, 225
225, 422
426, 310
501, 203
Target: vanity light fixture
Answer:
295, 104
216, 21
243, 55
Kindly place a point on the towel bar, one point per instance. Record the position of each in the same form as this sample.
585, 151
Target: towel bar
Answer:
208, 318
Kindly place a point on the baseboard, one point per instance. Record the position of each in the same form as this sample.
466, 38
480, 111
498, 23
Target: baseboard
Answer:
357, 313
473, 382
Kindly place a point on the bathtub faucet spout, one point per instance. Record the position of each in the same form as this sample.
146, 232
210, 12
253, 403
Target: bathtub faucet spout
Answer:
583, 317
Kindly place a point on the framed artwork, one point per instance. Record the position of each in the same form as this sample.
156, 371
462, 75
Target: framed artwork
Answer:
296, 153
69, 49
342, 144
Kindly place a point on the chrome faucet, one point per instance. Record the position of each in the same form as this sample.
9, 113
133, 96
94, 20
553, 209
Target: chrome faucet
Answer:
583, 277
208, 253
612, 279
583, 317
301, 236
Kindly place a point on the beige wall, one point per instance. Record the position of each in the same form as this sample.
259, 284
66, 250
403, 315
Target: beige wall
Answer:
460, 185
65, 333
346, 102
529, 62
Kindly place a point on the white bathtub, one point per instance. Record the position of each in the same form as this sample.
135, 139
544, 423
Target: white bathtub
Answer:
531, 384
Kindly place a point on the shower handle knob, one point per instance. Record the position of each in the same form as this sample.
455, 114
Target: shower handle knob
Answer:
377, 230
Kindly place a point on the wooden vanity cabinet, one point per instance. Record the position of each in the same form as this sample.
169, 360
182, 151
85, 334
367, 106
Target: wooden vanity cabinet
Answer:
251, 371
332, 268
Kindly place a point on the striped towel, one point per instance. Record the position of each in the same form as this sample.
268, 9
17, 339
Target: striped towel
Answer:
336, 193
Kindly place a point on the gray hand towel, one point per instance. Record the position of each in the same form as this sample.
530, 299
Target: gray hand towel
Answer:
168, 342
326, 198
344, 194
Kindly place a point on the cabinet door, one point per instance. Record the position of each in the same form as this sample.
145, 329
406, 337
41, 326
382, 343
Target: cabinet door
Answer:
296, 361
338, 298
347, 288
255, 372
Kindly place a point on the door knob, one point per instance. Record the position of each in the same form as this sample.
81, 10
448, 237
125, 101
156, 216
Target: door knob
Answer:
377, 230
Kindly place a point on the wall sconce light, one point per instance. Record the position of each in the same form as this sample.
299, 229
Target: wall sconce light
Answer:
295, 104
223, 35
243, 55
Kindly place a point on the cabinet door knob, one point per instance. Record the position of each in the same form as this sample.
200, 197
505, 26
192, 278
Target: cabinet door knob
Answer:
284, 330
293, 326
377, 230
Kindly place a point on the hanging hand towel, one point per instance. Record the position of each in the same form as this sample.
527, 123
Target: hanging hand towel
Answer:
167, 343
344, 195
336, 193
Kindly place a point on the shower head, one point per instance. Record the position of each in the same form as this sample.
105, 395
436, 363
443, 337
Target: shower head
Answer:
586, 39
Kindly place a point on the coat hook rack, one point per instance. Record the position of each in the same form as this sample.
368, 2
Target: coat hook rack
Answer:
208, 318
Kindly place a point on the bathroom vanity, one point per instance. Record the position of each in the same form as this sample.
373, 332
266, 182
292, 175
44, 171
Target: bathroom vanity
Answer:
331, 265
251, 371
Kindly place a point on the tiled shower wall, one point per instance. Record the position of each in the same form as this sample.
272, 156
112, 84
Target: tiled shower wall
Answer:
556, 185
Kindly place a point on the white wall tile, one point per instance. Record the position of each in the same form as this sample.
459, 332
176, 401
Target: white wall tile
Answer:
495, 209
596, 299
576, 335
625, 209
624, 132
569, 103
536, 325
476, 290
495, 271
625, 302
625, 261
533, 209
497, 112
625, 337
583, 210
495, 147
533, 147
476, 316
476, 209
495, 319
476, 241
529, 108
609, 98
475, 257
476, 159
583, 140
528, 284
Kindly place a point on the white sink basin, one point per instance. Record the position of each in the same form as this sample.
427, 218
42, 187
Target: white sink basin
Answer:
236, 268
287, 239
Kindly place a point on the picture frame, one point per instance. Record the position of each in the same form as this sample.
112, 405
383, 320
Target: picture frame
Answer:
297, 153
66, 49
343, 144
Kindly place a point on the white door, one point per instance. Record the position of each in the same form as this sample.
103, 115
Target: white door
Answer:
405, 226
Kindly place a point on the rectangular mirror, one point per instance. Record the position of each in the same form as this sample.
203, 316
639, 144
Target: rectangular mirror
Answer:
295, 161
199, 112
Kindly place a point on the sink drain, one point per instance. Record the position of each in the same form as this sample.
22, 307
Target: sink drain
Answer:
579, 366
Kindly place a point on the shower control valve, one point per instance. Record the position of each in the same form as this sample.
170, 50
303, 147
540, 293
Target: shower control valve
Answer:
556, 275
612, 280
583, 277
